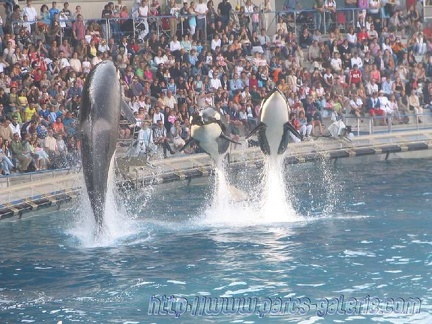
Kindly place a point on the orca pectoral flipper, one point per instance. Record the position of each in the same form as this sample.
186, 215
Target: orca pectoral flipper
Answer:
223, 145
288, 127
229, 139
221, 124
257, 129
127, 112
188, 142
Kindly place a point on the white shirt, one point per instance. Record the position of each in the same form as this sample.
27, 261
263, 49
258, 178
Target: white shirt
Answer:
392, 106
15, 129
170, 102
160, 59
372, 88
201, 10
374, 6
145, 136
143, 11
384, 103
215, 43
157, 117
357, 60
175, 46
75, 64
352, 39
31, 14
215, 83
64, 63
387, 47
264, 39
96, 60
330, 4
356, 103
336, 64
2, 66
86, 66
249, 9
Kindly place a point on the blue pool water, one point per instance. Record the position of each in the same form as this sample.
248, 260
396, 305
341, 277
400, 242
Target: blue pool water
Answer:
359, 234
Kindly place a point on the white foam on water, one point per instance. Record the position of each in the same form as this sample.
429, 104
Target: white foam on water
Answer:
117, 224
266, 205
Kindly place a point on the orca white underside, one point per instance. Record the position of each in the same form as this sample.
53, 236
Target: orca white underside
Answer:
274, 114
207, 136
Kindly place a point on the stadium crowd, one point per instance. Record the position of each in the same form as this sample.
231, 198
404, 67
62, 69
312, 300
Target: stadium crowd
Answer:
199, 55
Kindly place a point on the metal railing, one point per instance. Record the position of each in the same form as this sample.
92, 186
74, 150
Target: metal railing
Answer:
116, 27
369, 125
308, 18
133, 26
18, 178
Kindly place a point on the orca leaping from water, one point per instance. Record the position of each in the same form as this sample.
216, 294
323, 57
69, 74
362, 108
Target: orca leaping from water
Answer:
99, 118
208, 131
274, 125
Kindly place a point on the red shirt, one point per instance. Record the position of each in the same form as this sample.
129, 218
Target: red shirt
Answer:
362, 35
296, 124
355, 76
253, 82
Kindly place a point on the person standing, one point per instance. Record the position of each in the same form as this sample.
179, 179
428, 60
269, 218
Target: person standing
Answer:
224, 9
53, 11
173, 11
201, 11
78, 30
31, 14
351, 4
143, 12
319, 7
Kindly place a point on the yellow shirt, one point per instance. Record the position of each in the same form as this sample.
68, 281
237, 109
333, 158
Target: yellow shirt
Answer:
28, 113
22, 101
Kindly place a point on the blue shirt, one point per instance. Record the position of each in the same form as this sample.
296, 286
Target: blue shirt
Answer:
44, 113
236, 84
52, 12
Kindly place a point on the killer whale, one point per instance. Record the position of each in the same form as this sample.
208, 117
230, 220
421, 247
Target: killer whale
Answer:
274, 124
99, 116
208, 131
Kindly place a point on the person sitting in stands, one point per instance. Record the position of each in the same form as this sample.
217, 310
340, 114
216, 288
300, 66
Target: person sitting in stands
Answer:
19, 153
161, 138
5, 163
373, 107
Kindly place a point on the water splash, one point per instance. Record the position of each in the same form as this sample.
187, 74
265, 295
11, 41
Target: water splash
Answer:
117, 224
275, 203
264, 204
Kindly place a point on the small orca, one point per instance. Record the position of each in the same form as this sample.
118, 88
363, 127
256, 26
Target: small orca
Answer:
208, 131
274, 124
99, 116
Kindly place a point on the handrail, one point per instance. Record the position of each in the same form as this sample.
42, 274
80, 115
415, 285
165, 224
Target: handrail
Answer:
29, 175
416, 125
106, 22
